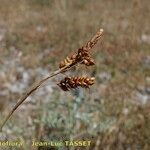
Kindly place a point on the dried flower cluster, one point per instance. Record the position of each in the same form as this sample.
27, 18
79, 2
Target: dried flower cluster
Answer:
73, 82
82, 56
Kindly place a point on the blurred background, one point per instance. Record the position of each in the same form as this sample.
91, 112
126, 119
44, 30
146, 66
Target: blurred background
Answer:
35, 35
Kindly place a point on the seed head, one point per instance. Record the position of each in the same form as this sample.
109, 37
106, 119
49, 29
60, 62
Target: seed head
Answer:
73, 82
82, 56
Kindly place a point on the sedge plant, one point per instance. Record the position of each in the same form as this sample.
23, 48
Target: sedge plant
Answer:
82, 56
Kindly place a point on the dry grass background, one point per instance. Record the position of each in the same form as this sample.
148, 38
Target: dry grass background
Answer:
35, 35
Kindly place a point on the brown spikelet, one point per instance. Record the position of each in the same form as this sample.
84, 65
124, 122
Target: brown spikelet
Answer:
94, 40
73, 82
83, 56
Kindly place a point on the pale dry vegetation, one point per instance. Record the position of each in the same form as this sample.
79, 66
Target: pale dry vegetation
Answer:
35, 35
